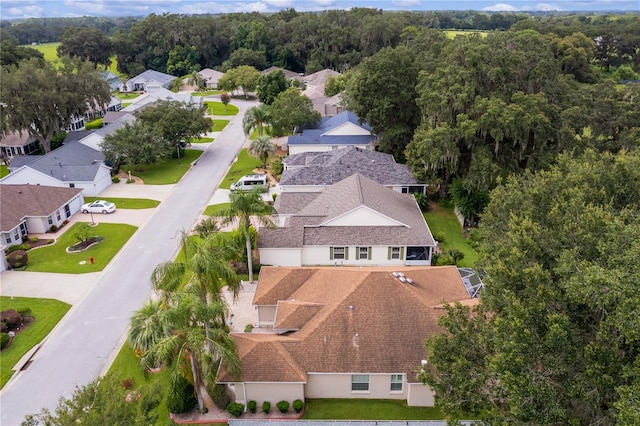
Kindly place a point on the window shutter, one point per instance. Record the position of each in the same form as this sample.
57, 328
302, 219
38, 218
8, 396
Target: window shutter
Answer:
401, 253
388, 253
330, 253
346, 253
357, 253
368, 253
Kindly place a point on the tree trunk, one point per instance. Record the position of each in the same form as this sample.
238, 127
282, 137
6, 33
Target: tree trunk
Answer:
249, 254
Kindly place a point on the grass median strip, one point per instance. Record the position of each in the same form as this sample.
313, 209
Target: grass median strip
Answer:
54, 257
127, 203
219, 125
46, 313
218, 108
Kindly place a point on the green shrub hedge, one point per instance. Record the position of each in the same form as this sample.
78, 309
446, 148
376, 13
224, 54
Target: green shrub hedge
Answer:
235, 409
252, 406
283, 406
266, 407
181, 398
298, 404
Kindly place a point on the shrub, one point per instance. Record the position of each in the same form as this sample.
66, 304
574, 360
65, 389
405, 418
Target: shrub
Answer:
283, 406
276, 167
445, 203
235, 409
266, 407
49, 241
66, 222
128, 383
24, 312
11, 318
53, 228
33, 239
439, 237
16, 247
115, 179
442, 260
181, 398
456, 255
298, 404
248, 328
422, 200
4, 340
130, 180
274, 196
96, 124
220, 397
18, 259
252, 406
3, 327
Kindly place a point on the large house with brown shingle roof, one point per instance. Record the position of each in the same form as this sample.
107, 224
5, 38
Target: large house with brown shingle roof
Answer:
336, 333
355, 222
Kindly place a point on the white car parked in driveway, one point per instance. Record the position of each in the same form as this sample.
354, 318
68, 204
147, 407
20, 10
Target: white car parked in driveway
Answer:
98, 206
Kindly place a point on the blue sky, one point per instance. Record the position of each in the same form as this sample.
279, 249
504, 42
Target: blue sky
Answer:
12, 9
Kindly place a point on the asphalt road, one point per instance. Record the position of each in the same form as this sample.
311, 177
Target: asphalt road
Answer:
82, 345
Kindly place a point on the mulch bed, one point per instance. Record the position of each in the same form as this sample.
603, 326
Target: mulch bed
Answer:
41, 242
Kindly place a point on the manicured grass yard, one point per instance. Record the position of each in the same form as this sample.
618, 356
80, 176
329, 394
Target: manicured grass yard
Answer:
4, 170
218, 125
168, 172
442, 221
213, 208
47, 313
202, 140
208, 93
243, 166
127, 203
49, 50
127, 366
367, 409
217, 108
126, 96
54, 258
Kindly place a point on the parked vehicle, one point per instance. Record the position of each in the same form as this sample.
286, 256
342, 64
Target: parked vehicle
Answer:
98, 206
249, 182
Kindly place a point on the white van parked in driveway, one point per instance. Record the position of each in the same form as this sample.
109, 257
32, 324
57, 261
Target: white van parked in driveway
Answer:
249, 182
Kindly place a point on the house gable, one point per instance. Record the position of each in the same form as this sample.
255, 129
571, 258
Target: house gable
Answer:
362, 216
347, 129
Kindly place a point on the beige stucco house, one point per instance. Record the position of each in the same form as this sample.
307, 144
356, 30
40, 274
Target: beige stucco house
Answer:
329, 332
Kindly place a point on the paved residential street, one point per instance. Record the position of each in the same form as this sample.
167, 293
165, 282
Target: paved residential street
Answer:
83, 344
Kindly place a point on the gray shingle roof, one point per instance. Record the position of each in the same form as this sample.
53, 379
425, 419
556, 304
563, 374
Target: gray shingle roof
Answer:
72, 162
317, 135
350, 193
18, 201
327, 168
153, 75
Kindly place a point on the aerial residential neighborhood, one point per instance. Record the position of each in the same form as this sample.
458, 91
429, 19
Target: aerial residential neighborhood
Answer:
359, 215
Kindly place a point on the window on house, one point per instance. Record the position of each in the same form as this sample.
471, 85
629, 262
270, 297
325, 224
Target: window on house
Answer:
72, 185
8, 239
396, 383
339, 253
363, 253
50, 220
16, 235
58, 214
23, 228
395, 253
67, 211
359, 382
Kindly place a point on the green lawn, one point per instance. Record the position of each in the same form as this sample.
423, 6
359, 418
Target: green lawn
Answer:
244, 165
4, 170
47, 313
218, 108
49, 50
202, 140
127, 203
218, 125
208, 93
212, 208
54, 258
442, 221
168, 172
451, 34
367, 409
126, 366
126, 96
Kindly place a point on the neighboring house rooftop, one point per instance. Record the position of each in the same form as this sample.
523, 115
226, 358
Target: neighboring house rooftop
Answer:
311, 224
112, 80
288, 74
343, 320
17, 139
342, 129
152, 75
320, 78
18, 201
210, 76
329, 167
72, 162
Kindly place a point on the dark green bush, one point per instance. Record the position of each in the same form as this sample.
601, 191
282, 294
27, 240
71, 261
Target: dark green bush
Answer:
16, 247
439, 237
276, 167
4, 340
24, 312
96, 124
33, 239
181, 397
442, 260
18, 259
115, 179
456, 255
422, 200
252, 406
53, 228
235, 409
220, 397
266, 407
298, 404
248, 328
283, 406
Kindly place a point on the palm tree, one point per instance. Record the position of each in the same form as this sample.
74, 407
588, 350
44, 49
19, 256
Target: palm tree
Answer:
245, 205
148, 326
191, 350
262, 148
257, 118
195, 79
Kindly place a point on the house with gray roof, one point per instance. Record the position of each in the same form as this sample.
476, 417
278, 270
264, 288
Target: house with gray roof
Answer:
18, 143
356, 222
112, 79
149, 78
314, 171
73, 165
340, 131
33, 209
210, 77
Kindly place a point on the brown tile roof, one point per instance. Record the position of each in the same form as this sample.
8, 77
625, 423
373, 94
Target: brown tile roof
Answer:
18, 201
366, 321
343, 197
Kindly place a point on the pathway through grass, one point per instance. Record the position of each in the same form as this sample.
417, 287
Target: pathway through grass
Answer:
47, 313
54, 257
443, 223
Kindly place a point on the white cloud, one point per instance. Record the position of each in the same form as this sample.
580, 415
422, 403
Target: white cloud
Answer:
546, 6
406, 3
212, 7
279, 4
500, 7
323, 3
25, 12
